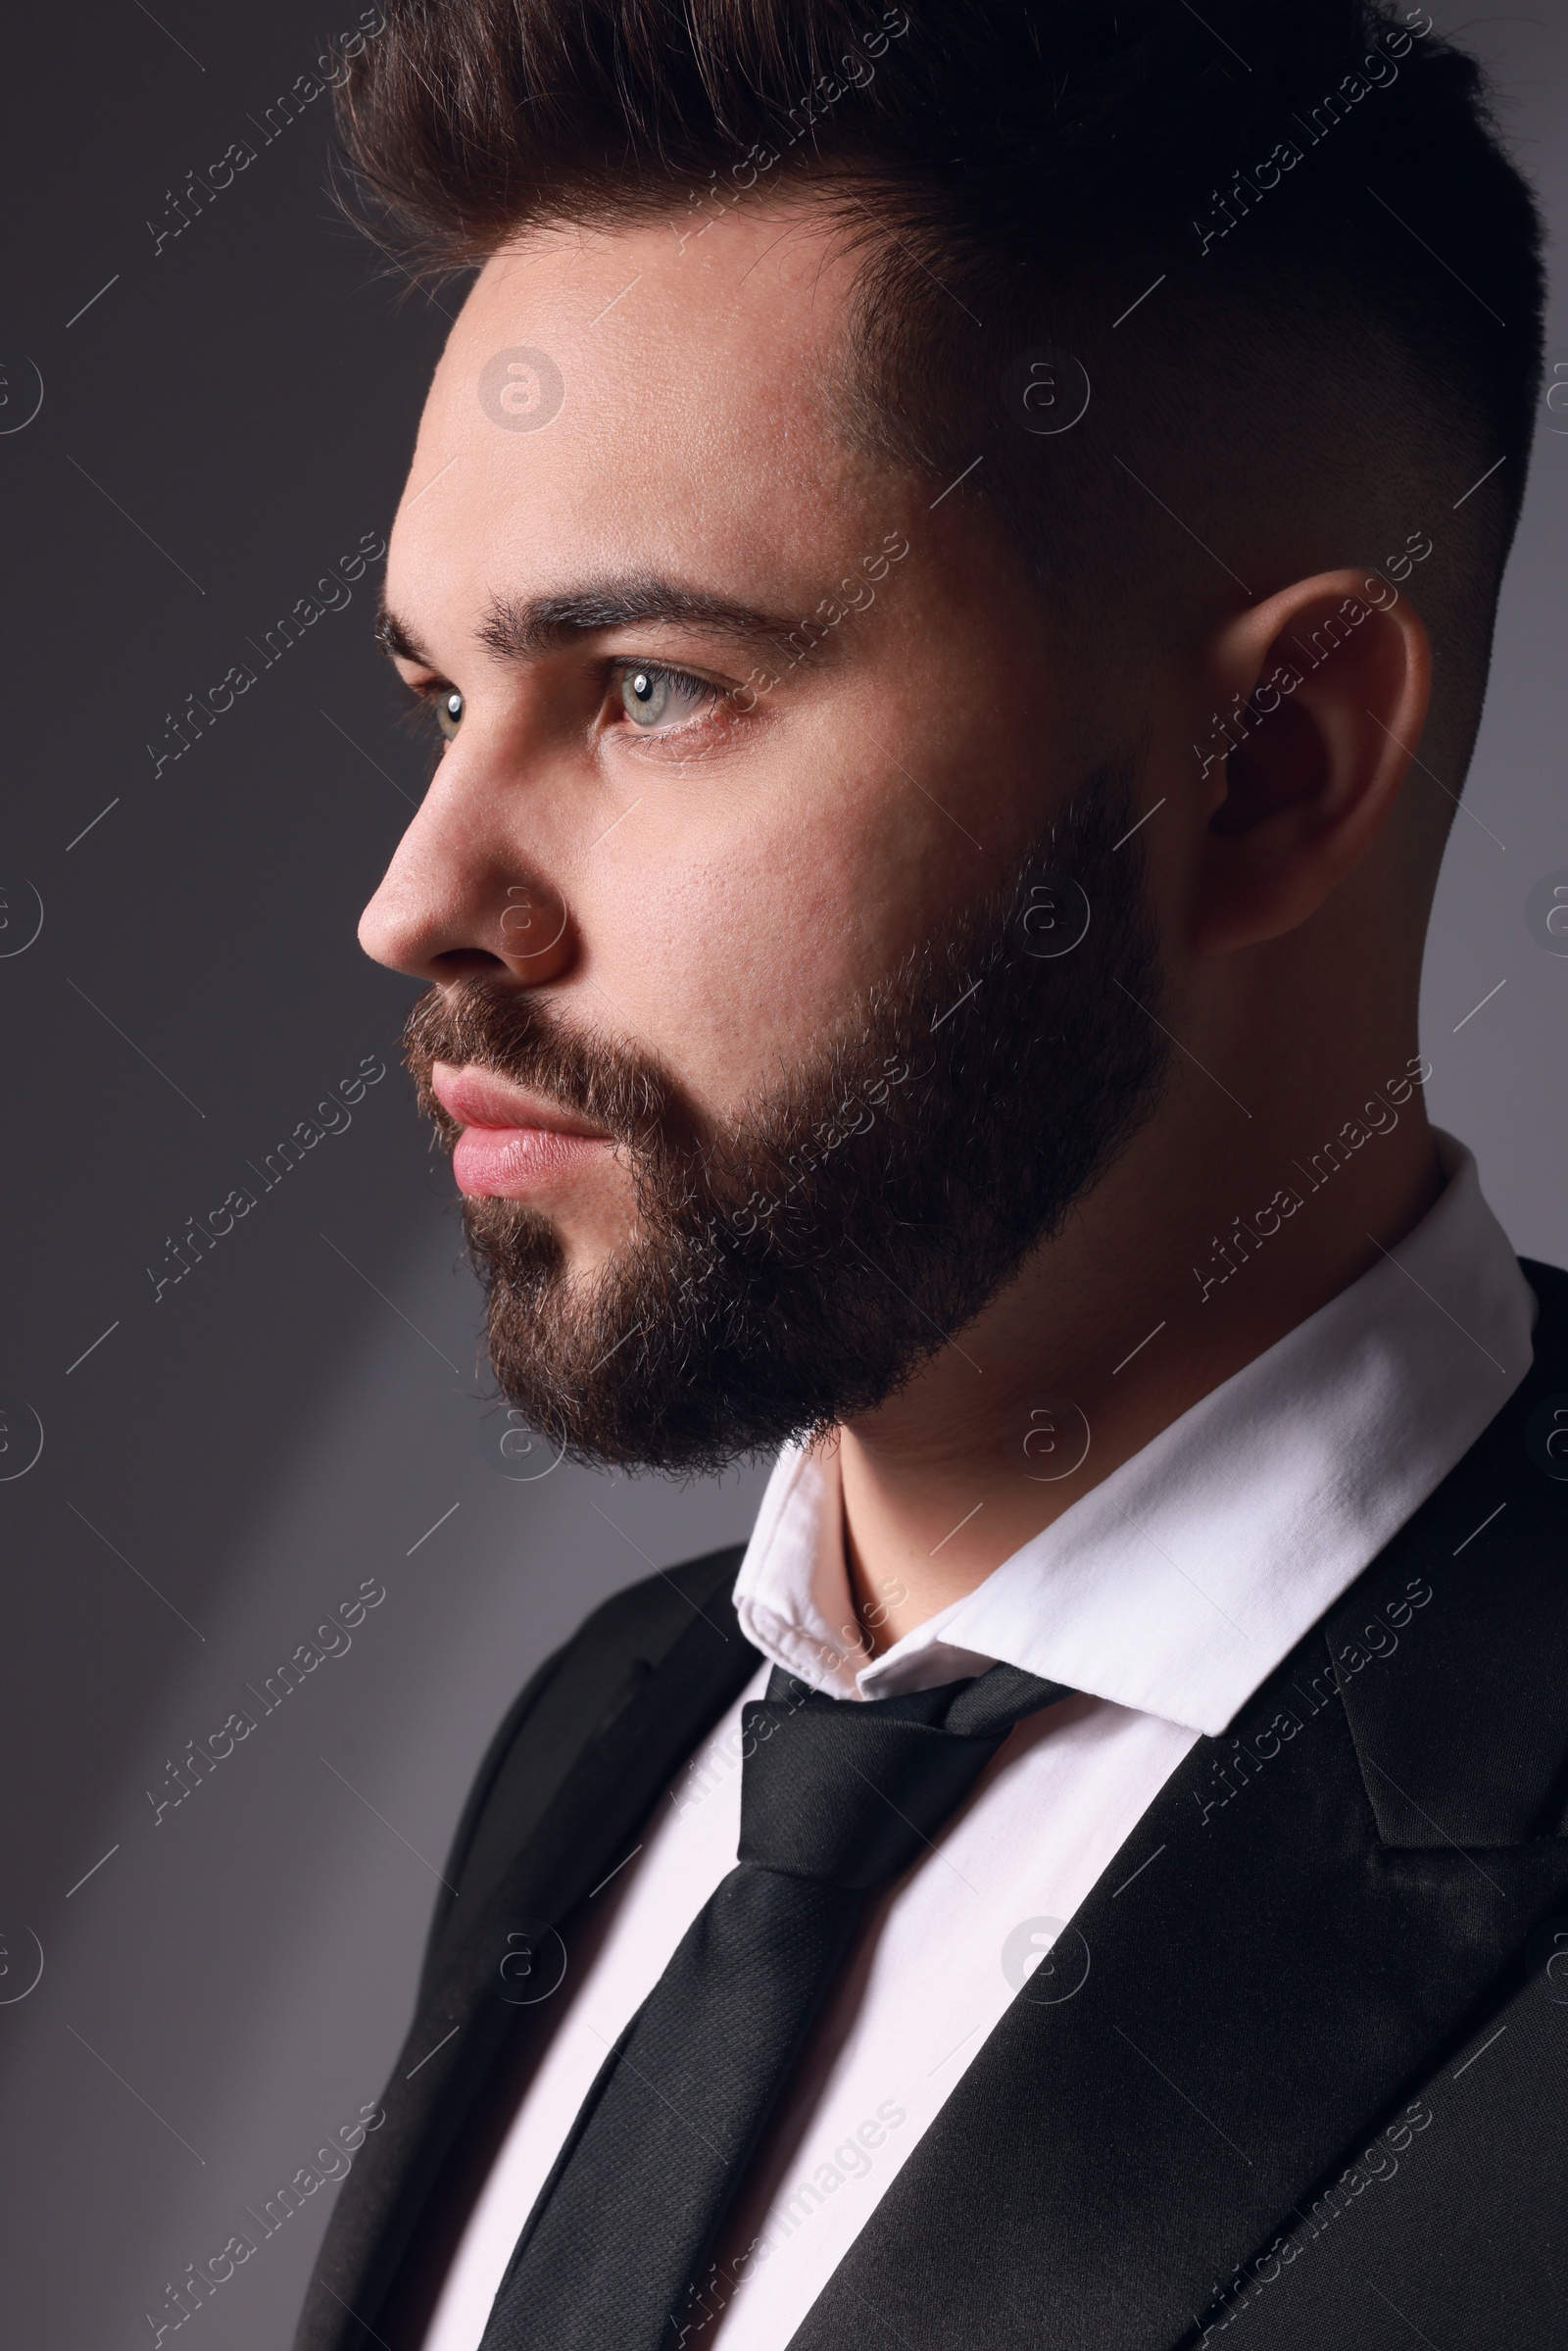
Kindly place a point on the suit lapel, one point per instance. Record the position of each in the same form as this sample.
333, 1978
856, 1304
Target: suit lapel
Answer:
1331, 1893
1323, 1901
463, 2010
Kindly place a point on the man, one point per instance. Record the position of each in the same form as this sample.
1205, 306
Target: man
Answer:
953, 556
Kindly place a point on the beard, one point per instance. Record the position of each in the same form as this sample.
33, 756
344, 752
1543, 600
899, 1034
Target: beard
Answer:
792, 1266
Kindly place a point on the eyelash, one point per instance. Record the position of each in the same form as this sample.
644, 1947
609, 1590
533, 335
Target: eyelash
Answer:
715, 695
418, 712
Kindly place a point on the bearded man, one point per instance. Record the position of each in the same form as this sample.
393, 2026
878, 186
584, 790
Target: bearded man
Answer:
952, 553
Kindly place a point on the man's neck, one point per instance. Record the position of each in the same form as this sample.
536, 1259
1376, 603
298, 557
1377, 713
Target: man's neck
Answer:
1154, 1294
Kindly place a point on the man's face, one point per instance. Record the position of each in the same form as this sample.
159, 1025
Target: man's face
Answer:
752, 739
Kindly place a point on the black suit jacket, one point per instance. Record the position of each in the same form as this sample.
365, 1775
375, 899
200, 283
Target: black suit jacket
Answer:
1301, 2064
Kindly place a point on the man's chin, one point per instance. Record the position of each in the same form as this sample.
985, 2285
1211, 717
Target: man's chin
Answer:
766, 1283
588, 1216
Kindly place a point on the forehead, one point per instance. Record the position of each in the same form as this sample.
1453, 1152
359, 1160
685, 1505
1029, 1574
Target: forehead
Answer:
607, 399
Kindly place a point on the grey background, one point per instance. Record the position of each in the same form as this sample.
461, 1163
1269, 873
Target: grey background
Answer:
225, 420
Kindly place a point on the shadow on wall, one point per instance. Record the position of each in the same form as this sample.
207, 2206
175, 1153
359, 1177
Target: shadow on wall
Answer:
223, 1996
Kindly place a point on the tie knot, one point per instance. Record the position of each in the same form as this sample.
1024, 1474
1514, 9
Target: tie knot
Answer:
852, 1791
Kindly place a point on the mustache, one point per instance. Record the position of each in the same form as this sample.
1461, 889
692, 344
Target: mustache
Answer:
474, 1023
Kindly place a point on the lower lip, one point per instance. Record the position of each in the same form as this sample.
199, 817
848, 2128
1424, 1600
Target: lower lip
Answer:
511, 1162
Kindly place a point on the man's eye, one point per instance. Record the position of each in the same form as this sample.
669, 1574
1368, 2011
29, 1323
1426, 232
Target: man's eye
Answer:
449, 710
655, 700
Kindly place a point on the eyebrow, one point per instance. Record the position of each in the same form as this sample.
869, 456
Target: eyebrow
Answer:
518, 629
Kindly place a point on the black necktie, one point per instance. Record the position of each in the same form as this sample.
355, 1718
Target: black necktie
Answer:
837, 1796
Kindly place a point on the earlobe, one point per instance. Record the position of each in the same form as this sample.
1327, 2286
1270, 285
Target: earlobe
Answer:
1325, 688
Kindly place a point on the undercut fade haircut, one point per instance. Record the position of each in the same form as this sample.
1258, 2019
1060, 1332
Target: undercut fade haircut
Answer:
1280, 244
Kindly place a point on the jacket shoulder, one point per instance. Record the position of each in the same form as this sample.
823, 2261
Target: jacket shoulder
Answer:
567, 1703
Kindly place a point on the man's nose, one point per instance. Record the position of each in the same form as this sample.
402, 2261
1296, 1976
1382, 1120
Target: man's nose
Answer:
455, 902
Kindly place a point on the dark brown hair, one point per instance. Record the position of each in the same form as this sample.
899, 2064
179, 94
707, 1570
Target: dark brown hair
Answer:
1342, 266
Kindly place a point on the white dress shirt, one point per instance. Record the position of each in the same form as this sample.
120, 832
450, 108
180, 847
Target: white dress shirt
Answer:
1166, 1595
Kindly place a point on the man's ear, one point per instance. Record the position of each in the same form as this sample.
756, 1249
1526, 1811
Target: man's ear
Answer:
1320, 695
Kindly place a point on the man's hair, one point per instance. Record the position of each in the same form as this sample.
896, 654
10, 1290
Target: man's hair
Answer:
1296, 270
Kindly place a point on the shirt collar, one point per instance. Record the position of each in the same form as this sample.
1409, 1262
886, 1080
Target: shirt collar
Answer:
1177, 1585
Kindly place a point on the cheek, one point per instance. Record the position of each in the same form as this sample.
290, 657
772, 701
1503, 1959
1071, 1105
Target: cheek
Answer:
733, 949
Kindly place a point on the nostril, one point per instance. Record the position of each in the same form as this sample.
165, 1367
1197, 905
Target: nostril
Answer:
465, 962
436, 921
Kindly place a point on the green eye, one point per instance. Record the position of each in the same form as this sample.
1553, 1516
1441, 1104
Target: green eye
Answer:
449, 710
645, 694
661, 699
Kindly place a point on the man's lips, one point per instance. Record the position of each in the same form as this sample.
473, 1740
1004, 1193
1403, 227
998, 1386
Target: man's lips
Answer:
514, 1142
477, 1097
